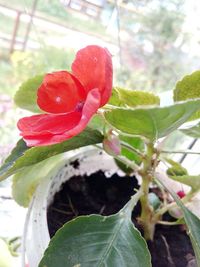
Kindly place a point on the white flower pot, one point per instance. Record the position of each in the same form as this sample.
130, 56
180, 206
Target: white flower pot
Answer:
36, 234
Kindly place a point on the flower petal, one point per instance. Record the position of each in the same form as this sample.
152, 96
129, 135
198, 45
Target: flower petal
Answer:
48, 129
93, 67
60, 92
48, 123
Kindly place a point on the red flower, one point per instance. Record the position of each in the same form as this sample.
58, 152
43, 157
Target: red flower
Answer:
70, 99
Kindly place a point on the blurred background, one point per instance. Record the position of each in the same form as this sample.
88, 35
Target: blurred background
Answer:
153, 42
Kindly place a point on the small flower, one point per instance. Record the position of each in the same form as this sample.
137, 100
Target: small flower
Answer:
181, 193
70, 99
111, 144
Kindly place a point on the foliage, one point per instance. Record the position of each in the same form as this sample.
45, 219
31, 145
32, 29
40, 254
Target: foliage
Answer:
23, 156
126, 242
188, 88
47, 59
14, 72
152, 123
193, 131
130, 128
123, 98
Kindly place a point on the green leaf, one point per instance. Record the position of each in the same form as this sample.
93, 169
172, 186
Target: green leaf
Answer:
16, 153
26, 181
132, 98
97, 122
192, 222
188, 88
26, 96
191, 180
97, 241
177, 169
134, 142
22, 156
174, 163
152, 123
179, 173
193, 131
124, 167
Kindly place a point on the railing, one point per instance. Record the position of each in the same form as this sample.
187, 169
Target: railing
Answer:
21, 16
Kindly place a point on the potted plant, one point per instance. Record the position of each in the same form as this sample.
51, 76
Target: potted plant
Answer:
81, 108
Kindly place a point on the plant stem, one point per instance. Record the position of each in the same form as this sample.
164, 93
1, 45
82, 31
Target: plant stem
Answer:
168, 223
181, 152
128, 163
147, 218
185, 199
132, 149
123, 160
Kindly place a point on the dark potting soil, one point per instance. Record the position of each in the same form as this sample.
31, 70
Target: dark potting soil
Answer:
96, 194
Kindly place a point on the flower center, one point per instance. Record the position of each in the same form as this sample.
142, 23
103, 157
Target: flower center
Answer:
79, 106
58, 99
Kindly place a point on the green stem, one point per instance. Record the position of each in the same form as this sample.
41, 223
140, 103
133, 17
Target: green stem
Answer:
132, 149
181, 152
147, 218
124, 160
128, 163
168, 223
185, 199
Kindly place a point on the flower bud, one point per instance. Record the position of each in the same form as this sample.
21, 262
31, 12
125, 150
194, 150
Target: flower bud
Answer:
181, 193
111, 144
177, 171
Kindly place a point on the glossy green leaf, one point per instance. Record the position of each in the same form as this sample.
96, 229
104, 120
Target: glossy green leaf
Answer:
132, 98
26, 181
192, 222
134, 142
22, 156
97, 241
193, 131
26, 96
188, 88
152, 123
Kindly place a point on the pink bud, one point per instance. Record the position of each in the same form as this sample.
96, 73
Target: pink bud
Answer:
181, 193
111, 144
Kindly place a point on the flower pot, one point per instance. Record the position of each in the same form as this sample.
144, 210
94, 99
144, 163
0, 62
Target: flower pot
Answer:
171, 247
36, 233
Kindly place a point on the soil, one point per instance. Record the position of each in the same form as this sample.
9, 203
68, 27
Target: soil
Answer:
96, 194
